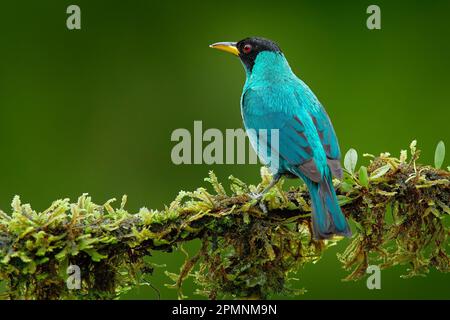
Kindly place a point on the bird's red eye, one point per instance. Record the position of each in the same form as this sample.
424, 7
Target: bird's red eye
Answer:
247, 48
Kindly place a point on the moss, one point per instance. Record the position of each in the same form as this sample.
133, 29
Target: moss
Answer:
397, 206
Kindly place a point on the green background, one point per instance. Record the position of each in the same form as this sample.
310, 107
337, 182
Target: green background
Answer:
93, 110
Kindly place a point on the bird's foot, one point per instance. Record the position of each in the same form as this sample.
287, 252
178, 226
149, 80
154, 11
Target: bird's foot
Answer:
256, 195
258, 198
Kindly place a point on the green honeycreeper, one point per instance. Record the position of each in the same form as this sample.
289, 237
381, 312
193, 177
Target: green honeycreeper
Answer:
275, 98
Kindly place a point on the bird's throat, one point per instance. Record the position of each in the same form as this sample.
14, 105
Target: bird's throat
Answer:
269, 66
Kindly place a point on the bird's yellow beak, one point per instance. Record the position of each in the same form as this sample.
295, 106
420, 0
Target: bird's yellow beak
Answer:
226, 46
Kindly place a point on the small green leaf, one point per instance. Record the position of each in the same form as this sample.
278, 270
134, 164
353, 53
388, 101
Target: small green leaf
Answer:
345, 187
246, 218
350, 160
387, 193
270, 251
413, 147
344, 200
172, 276
439, 155
95, 256
444, 207
124, 201
160, 242
379, 172
363, 178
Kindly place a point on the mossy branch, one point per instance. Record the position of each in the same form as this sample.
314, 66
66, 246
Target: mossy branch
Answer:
396, 206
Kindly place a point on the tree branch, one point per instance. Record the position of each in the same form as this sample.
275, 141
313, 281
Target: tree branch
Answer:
397, 209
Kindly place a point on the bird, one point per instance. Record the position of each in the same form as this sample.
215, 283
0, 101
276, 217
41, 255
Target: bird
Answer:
299, 134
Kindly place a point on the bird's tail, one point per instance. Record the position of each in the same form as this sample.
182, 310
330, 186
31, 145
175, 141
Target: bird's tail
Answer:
327, 217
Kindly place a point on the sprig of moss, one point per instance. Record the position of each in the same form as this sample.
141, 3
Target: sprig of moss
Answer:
397, 208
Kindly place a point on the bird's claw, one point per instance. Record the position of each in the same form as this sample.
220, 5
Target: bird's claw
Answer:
259, 202
255, 195
263, 207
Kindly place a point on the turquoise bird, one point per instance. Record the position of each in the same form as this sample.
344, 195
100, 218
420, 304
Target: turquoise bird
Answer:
290, 130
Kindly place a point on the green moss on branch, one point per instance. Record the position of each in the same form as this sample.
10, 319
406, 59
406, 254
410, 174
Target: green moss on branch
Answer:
396, 206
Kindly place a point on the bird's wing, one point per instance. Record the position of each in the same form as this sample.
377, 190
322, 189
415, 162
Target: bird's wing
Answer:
324, 128
274, 109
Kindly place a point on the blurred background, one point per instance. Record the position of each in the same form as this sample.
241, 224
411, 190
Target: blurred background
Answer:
92, 110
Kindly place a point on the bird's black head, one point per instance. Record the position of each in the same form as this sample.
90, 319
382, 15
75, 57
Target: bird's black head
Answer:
248, 49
